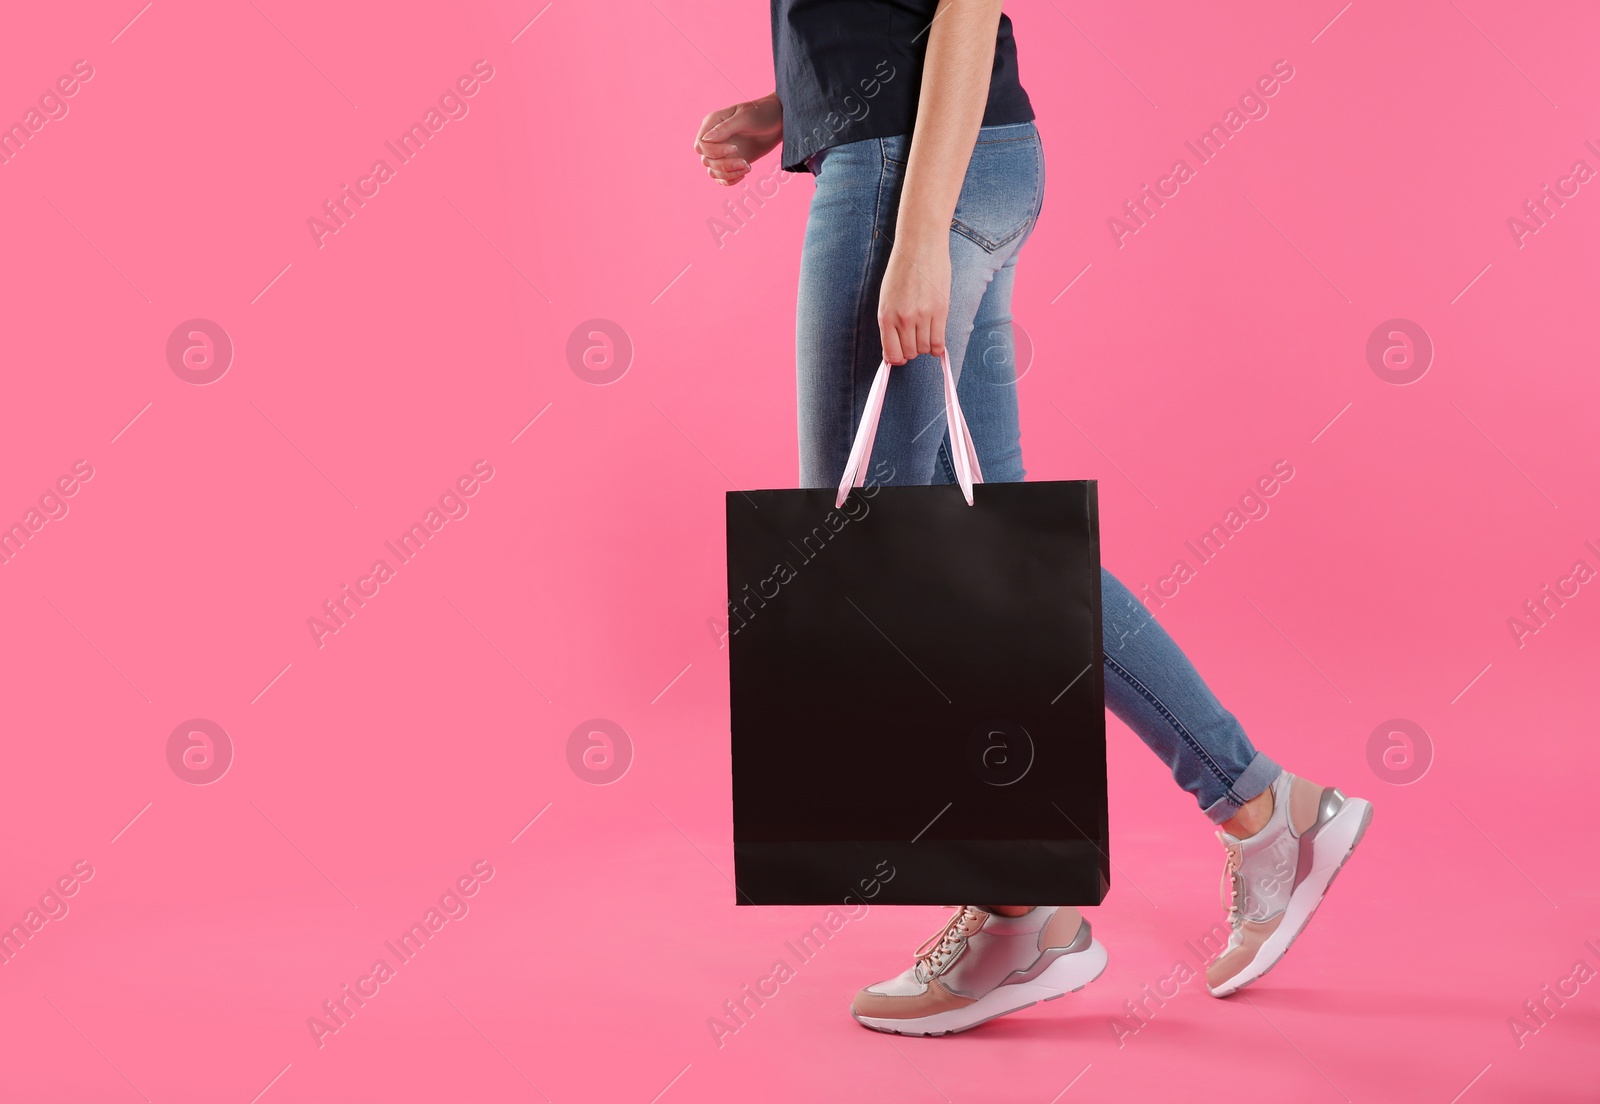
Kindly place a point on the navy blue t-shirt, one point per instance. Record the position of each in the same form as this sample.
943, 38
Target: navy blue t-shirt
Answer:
852, 69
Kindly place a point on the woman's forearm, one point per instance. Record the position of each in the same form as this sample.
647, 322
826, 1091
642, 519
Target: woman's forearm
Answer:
955, 91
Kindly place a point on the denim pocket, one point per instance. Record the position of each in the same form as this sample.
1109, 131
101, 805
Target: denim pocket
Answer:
1001, 194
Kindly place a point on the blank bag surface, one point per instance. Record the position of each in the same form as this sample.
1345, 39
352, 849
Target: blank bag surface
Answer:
917, 695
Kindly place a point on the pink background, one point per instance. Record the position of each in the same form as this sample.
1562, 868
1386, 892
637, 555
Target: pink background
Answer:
371, 372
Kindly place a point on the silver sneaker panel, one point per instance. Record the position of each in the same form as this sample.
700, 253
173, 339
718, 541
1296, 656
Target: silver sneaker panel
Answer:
1079, 944
1328, 808
981, 979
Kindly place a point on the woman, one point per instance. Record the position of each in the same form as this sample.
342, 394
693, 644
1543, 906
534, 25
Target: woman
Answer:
929, 179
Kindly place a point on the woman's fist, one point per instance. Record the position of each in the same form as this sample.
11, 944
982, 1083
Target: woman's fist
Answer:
730, 139
914, 300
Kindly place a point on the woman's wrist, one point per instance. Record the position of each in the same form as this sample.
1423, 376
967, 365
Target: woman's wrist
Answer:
921, 236
770, 108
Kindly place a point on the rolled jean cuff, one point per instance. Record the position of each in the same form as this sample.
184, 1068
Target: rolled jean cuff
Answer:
1260, 774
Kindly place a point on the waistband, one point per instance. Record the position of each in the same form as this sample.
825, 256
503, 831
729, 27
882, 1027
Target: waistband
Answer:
1001, 132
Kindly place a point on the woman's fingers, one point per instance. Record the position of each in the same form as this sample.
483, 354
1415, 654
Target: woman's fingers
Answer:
891, 342
726, 172
909, 336
722, 124
719, 151
936, 333
720, 141
727, 152
710, 123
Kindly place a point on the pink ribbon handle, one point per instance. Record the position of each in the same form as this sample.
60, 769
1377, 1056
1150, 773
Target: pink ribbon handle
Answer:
963, 453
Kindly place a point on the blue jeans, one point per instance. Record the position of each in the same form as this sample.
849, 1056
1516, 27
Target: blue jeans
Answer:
1150, 684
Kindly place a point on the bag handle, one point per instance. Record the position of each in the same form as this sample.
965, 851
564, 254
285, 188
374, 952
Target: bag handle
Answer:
965, 455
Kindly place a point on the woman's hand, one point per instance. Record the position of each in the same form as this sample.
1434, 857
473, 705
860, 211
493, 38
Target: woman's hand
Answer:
735, 136
915, 298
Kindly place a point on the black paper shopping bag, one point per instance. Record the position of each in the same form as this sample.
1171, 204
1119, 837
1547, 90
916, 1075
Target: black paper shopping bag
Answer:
917, 697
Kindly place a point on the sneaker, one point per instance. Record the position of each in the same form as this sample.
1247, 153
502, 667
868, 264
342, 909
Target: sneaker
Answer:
982, 965
1276, 878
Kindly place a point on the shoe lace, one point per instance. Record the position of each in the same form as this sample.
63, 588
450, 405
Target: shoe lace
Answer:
941, 948
1232, 882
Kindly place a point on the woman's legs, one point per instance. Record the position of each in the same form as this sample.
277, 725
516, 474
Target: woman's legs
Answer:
1290, 836
1286, 837
1153, 689
1150, 684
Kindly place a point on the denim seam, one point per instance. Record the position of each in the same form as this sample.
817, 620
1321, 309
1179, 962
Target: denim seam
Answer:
861, 303
988, 245
1038, 185
1178, 727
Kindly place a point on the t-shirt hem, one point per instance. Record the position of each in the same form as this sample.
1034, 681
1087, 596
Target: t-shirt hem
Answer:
802, 165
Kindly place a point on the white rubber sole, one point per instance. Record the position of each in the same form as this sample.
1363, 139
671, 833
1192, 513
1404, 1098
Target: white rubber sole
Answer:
1333, 846
1067, 974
